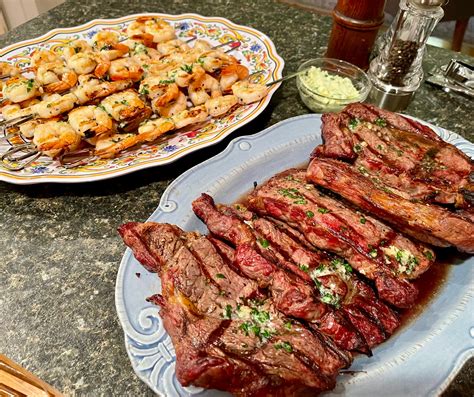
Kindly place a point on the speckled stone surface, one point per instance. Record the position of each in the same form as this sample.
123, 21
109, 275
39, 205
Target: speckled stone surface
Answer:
59, 251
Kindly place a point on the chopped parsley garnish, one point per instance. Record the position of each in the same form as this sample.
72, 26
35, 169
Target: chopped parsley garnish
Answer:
200, 60
187, 68
106, 47
353, 123
288, 325
362, 220
285, 346
220, 275
428, 255
373, 253
228, 311
29, 85
347, 267
245, 327
293, 194
264, 243
323, 210
380, 147
171, 81
300, 201
305, 268
381, 122
222, 293
357, 148
124, 102
260, 316
145, 89
309, 214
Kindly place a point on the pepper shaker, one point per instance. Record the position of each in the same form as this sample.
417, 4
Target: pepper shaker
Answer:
396, 72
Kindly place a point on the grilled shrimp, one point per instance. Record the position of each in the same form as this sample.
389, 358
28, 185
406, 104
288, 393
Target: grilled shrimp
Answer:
199, 89
155, 87
186, 117
172, 46
231, 74
172, 107
221, 105
187, 74
153, 129
89, 62
160, 29
8, 70
91, 88
107, 44
10, 112
54, 105
19, 89
38, 57
109, 145
56, 137
125, 69
76, 47
124, 105
248, 92
27, 128
90, 121
214, 60
56, 77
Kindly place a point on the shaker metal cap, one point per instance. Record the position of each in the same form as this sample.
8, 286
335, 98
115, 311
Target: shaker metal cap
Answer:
429, 3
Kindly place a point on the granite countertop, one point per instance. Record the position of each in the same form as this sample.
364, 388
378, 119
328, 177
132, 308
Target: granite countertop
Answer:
59, 250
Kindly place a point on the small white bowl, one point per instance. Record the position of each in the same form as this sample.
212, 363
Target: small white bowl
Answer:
322, 103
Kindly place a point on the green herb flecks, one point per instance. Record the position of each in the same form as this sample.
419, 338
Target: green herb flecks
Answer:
362, 220
228, 312
187, 68
353, 123
264, 243
30, 84
357, 148
145, 89
373, 253
293, 194
285, 346
428, 255
305, 268
323, 210
220, 275
310, 214
381, 122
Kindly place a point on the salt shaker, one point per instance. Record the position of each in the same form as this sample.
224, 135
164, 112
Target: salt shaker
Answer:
396, 72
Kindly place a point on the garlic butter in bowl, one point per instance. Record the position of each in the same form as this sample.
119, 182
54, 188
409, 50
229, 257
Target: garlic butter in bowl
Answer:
327, 85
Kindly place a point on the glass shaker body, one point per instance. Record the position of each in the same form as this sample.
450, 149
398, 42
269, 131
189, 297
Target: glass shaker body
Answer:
397, 69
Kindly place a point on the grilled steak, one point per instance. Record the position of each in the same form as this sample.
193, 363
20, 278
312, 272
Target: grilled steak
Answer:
429, 223
398, 153
243, 346
372, 248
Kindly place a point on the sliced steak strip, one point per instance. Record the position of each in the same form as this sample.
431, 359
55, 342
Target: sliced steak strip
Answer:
254, 335
425, 222
329, 225
229, 228
400, 153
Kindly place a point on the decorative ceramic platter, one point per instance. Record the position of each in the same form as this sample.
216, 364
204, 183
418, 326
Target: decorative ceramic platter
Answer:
419, 360
256, 51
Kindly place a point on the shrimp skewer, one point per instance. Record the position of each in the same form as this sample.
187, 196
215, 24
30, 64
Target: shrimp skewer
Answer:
171, 75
